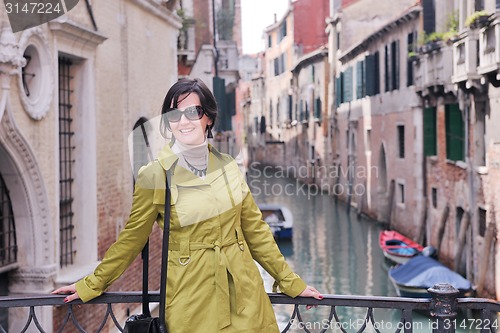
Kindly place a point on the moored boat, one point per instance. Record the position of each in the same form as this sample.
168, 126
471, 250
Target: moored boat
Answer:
279, 218
413, 278
397, 247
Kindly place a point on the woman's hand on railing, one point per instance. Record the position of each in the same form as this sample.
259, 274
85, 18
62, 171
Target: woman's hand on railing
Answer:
71, 289
311, 292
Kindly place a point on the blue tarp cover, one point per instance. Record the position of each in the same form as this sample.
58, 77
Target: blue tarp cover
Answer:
425, 272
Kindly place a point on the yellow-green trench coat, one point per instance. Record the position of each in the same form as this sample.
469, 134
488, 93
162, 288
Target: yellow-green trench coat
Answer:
213, 284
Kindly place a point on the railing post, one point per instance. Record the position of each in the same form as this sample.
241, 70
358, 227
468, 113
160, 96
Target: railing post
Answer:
443, 305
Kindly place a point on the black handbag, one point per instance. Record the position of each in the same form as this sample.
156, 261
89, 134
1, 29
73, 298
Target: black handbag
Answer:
144, 323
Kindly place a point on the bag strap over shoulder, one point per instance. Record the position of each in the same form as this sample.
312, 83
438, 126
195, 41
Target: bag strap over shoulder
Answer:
164, 254
164, 263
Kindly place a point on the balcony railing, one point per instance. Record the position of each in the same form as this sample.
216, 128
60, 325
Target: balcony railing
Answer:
465, 57
433, 70
489, 48
442, 308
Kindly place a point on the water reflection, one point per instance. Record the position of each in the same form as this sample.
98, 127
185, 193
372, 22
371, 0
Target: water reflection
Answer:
333, 250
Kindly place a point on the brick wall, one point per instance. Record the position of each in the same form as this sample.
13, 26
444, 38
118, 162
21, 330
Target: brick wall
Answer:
309, 24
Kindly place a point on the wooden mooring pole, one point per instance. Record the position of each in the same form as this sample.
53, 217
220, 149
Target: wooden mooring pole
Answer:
442, 227
464, 226
485, 257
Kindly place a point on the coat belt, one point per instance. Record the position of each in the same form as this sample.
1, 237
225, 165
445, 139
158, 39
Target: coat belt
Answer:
222, 268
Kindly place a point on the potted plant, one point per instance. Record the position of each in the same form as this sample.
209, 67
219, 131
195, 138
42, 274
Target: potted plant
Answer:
412, 56
477, 20
451, 35
432, 42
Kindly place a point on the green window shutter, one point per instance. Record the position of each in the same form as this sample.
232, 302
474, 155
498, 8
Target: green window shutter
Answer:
370, 75
348, 93
455, 133
363, 78
377, 73
395, 65
342, 88
317, 109
338, 91
359, 80
224, 117
430, 132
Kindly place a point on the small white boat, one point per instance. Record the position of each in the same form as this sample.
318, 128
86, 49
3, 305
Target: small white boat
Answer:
279, 218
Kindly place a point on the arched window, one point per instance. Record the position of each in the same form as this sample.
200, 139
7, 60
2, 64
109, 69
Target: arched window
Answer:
8, 245
141, 146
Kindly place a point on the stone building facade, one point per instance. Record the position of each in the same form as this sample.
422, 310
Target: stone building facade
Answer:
457, 82
407, 129
377, 124
73, 90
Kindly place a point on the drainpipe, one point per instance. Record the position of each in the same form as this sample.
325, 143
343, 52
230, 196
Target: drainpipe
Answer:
470, 175
216, 60
423, 227
349, 159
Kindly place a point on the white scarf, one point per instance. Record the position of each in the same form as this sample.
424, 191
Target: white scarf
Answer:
192, 157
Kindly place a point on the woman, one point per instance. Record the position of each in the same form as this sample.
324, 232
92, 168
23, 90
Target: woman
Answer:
217, 231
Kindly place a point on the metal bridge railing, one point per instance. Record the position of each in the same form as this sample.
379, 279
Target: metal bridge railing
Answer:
442, 309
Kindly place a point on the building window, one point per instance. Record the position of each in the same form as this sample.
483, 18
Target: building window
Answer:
271, 114
411, 42
66, 164
317, 109
8, 244
482, 221
282, 31
478, 5
368, 140
290, 107
278, 112
142, 153
434, 197
301, 110
429, 15
395, 64
372, 70
360, 79
279, 65
347, 86
269, 41
401, 192
392, 66
387, 68
339, 89
430, 132
401, 141
455, 133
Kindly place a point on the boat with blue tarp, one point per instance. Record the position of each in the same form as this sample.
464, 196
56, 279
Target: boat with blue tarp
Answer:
413, 278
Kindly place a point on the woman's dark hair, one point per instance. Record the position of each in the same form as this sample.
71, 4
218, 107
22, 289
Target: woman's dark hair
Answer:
186, 87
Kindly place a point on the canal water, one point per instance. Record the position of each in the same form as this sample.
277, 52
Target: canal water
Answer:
333, 250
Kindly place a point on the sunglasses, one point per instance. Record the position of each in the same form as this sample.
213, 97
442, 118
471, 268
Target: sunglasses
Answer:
194, 112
